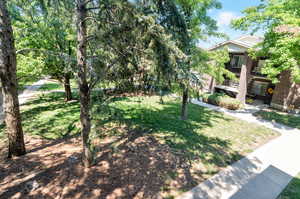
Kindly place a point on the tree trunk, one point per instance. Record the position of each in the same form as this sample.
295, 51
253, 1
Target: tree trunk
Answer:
185, 97
67, 86
84, 91
16, 146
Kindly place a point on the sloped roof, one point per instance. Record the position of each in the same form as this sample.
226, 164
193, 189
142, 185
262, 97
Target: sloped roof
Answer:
295, 30
246, 41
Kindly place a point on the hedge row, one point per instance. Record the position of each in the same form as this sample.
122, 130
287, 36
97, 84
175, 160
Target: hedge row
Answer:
222, 100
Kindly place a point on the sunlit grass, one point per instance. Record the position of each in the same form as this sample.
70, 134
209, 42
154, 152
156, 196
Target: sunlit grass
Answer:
280, 117
164, 121
50, 116
292, 191
55, 85
208, 140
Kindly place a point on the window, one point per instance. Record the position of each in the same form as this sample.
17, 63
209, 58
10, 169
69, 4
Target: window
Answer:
237, 61
259, 88
259, 66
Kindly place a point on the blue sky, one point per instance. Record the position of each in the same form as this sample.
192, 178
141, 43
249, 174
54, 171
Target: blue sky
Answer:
231, 9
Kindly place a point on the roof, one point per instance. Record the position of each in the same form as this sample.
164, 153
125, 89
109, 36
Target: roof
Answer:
295, 30
245, 41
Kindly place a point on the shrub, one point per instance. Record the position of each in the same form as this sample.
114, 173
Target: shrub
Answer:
222, 100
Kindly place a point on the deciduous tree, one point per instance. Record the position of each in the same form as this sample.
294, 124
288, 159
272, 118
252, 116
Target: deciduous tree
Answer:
187, 22
45, 33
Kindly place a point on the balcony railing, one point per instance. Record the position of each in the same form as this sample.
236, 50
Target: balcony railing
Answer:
231, 83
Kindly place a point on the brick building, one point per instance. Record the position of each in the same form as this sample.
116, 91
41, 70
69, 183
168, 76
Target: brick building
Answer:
284, 95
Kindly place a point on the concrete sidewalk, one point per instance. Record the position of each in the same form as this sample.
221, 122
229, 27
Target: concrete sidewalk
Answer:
263, 174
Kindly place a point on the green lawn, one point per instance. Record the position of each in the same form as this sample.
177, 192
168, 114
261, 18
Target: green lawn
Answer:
55, 85
203, 127
292, 191
208, 140
51, 86
280, 117
22, 84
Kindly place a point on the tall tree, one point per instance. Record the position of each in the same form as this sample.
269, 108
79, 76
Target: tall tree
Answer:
9, 85
118, 48
188, 22
84, 89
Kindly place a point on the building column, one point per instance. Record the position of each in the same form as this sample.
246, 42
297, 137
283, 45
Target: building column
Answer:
245, 77
286, 94
1, 101
212, 85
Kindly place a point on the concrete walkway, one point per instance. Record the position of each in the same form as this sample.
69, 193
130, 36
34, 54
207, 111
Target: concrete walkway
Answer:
263, 174
29, 93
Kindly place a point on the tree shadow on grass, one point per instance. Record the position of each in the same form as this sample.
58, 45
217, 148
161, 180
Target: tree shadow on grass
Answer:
51, 117
155, 150
135, 165
182, 135
184, 138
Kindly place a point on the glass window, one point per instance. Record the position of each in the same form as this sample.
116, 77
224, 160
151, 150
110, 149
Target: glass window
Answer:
237, 61
259, 88
259, 66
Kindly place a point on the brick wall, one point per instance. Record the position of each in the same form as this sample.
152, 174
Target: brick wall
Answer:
1, 101
287, 93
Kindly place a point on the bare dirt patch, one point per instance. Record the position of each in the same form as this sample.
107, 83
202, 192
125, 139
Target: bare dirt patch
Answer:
131, 167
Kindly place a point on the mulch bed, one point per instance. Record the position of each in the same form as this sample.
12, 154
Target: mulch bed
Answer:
128, 167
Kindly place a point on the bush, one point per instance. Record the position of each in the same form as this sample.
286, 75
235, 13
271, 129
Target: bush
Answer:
222, 100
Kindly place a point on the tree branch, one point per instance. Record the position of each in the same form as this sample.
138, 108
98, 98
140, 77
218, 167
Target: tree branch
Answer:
93, 83
60, 54
93, 8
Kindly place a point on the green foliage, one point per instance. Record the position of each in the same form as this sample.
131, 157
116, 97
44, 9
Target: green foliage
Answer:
281, 46
146, 43
29, 67
44, 39
151, 44
222, 100
213, 64
187, 22
148, 55
50, 87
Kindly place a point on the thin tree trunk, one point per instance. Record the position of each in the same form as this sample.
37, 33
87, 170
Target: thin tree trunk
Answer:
84, 91
185, 98
16, 146
67, 86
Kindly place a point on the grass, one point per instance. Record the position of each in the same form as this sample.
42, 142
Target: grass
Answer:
207, 140
292, 191
202, 127
280, 117
49, 116
55, 85
51, 86
22, 84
